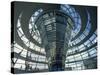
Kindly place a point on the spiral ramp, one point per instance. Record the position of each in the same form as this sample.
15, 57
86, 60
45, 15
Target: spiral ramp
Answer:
28, 53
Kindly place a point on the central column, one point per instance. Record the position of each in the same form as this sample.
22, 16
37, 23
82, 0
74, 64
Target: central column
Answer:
55, 30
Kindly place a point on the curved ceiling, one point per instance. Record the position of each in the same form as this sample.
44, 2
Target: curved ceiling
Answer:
27, 40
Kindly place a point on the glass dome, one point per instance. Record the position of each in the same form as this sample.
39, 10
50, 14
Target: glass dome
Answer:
29, 49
